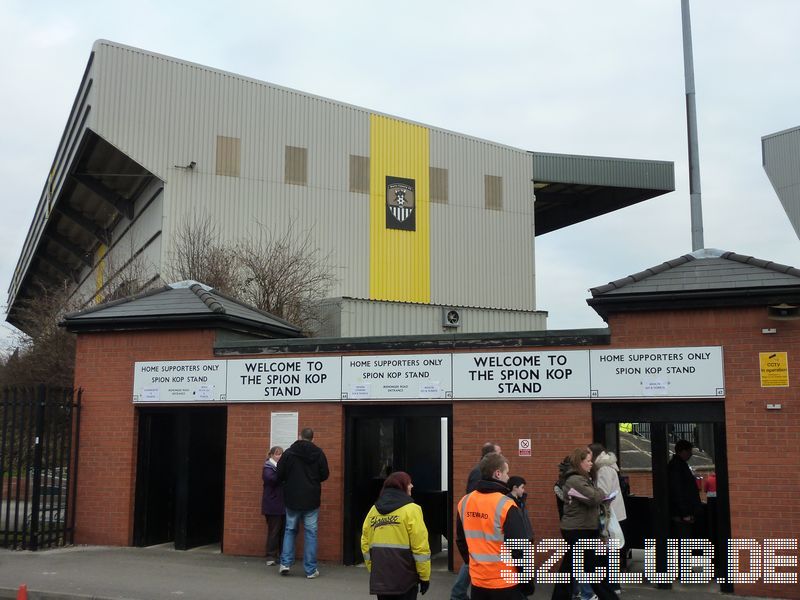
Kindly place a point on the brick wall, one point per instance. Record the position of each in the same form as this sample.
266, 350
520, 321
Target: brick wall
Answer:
762, 444
107, 456
553, 435
248, 444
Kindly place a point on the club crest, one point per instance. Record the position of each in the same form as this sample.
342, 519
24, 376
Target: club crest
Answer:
400, 204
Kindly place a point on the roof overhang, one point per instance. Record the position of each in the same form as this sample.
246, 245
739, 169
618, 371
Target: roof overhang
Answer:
100, 189
571, 188
605, 305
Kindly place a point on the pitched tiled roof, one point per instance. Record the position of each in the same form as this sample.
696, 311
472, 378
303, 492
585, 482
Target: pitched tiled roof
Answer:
704, 270
187, 303
708, 277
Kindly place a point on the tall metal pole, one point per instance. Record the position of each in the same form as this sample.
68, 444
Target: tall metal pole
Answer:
691, 124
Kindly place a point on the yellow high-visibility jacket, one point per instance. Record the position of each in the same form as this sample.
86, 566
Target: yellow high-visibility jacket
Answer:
394, 542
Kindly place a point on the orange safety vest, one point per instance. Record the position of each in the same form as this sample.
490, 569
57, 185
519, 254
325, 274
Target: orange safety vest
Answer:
483, 517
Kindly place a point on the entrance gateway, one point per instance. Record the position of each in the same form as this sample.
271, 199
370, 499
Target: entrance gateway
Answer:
398, 412
643, 436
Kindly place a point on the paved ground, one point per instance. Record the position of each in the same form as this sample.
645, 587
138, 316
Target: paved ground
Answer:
104, 573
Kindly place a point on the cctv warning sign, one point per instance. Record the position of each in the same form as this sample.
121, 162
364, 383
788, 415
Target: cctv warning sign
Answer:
774, 369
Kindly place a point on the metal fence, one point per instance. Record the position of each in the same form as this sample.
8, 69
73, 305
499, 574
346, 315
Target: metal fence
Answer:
676, 431
39, 435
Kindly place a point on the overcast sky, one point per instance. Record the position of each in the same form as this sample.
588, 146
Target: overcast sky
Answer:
571, 76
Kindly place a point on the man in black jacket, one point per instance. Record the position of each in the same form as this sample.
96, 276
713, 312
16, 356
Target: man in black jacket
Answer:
684, 497
302, 469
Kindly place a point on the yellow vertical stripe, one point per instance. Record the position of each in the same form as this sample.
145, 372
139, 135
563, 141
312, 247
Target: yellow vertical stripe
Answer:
399, 261
99, 274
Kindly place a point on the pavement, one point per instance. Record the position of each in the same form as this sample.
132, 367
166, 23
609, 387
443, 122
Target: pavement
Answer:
157, 573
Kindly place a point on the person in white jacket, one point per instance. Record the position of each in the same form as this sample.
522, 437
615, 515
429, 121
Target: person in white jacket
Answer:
605, 474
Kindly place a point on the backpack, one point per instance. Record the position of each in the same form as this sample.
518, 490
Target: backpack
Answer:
558, 487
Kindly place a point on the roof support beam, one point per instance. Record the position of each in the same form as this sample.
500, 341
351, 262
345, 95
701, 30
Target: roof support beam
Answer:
120, 204
45, 279
87, 224
49, 260
78, 252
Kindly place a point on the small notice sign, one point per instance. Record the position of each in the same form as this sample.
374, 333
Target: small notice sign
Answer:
774, 369
524, 447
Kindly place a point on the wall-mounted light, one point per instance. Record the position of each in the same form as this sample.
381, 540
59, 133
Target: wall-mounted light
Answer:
190, 166
783, 312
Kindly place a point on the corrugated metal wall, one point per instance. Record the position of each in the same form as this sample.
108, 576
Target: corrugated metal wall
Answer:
596, 170
482, 257
165, 113
781, 156
347, 317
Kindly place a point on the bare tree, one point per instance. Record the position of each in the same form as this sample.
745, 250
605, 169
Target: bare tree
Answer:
134, 276
46, 353
43, 352
285, 274
198, 254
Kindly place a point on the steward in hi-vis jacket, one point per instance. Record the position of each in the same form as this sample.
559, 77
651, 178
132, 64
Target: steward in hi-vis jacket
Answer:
486, 518
394, 542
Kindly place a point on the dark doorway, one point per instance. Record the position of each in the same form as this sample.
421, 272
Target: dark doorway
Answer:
180, 477
382, 439
643, 437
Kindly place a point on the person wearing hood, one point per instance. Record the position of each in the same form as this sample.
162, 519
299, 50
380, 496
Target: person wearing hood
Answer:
581, 520
301, 470
605, 473
486, 519
272, 506
394, 542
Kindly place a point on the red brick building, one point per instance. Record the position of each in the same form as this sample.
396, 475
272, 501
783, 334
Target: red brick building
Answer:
704, 346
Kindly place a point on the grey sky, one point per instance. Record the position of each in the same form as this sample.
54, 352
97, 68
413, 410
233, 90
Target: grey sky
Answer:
571, 76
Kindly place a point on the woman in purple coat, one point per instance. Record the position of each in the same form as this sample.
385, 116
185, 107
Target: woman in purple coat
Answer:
272, 505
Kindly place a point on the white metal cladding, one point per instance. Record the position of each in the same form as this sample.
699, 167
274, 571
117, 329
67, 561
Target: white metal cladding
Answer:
781, 157
482, 257
163, 112
352, 317
166, 114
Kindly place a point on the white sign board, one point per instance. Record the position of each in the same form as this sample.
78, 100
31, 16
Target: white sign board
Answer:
396, 376
284, 379
283, 428
695, 372
179, 381
525, 446
548, 374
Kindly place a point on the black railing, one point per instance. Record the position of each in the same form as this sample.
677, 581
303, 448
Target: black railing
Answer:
39, 436
675, 431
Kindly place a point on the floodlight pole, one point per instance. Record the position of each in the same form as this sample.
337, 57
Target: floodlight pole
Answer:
691, 124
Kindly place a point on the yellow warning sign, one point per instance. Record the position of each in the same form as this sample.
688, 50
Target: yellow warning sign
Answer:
774, 369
